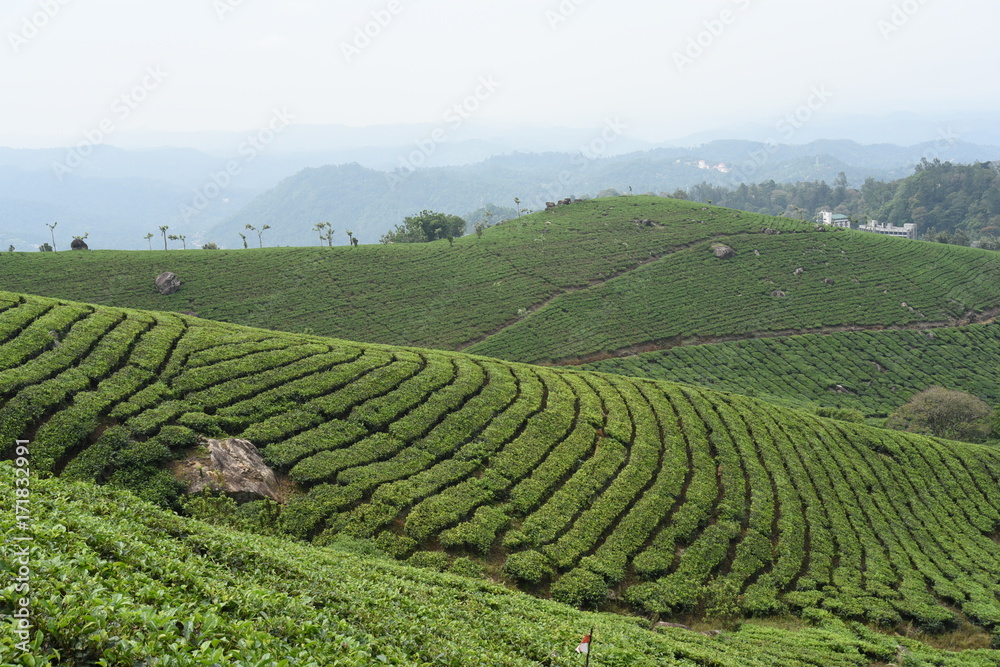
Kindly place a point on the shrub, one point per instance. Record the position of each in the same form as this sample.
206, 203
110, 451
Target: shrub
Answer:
467, 567
944, 413
432, 560
528, 566
580, 588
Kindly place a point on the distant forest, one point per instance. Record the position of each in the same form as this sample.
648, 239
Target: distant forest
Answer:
949, 203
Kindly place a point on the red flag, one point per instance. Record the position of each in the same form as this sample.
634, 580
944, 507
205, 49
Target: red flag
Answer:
584, 646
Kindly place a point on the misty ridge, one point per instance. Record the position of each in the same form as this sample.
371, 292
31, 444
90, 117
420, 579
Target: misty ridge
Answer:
278, 176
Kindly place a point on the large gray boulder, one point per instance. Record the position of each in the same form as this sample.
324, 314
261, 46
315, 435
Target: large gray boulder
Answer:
167, 283
233, 467
723, 251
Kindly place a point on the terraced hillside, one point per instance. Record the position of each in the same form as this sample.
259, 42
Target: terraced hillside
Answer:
581, 282
793, 283
119, 581
678, 499
432, 295
873, 372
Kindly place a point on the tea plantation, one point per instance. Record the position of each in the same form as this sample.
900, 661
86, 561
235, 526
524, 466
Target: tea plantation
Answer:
578, 283
427, 294
792, 283
115, 581
873, 372
583, 487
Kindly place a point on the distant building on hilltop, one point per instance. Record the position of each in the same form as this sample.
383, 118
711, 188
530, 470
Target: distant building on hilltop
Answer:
835, 220
907, 231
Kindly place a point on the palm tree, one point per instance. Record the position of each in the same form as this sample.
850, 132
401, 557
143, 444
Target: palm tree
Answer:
163, 230
52, 228
518, 202
260, 232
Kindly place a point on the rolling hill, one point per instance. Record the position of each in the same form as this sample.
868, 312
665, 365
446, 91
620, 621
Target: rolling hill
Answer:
873, 372
580, 486
579, 283
118, 580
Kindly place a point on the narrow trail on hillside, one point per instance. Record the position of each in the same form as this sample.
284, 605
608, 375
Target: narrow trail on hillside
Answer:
563, 291
988, 316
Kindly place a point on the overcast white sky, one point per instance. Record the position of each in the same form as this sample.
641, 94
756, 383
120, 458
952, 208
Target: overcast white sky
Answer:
226, 64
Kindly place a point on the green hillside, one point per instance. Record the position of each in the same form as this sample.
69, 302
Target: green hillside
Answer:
580, 282
427, 294
118, 582
873, 372
676, 499
792, 283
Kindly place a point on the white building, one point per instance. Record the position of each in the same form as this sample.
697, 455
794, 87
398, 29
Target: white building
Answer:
907, 231
832, 219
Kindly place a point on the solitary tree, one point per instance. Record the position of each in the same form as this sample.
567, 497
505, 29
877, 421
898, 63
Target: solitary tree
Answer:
260, 232
944, 413
163, 230
148, 238
325, 230
52, 230
244, 237
350, 237
517, 202
427, 226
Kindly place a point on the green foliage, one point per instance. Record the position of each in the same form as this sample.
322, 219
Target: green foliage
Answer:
871, 372
944, 413
531, 567
467, 567
432, 560
426, 226
580, 588
119, 582
843, 414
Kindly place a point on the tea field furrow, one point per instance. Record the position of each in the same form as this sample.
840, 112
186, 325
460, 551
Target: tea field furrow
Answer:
596, 523
14, 319
561, 463
627, 533
303, 392
873, 372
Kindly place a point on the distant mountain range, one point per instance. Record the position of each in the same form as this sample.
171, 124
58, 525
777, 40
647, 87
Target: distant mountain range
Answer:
363, 179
